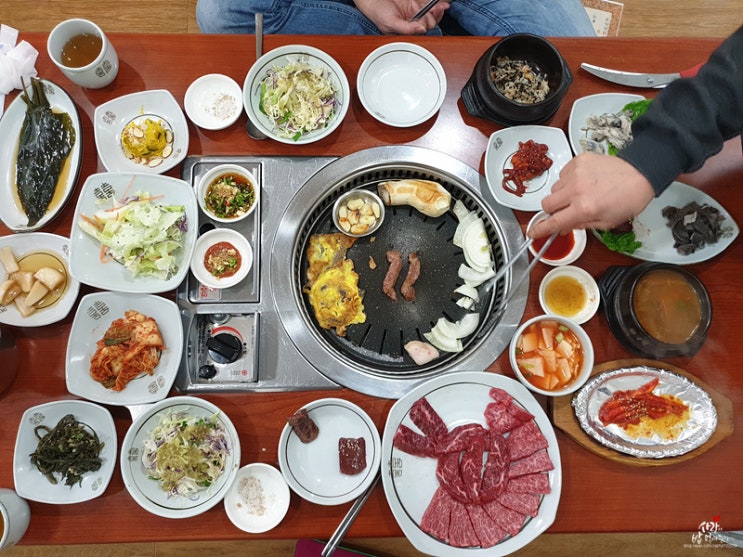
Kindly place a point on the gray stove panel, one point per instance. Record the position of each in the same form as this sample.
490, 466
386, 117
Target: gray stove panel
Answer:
269, 360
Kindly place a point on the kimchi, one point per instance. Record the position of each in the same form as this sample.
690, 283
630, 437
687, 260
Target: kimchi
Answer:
131, 347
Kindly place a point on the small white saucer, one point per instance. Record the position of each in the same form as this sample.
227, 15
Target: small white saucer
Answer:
585, 280
258, 499
213, 101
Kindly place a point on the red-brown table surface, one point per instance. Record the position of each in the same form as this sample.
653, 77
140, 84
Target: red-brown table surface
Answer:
598, 495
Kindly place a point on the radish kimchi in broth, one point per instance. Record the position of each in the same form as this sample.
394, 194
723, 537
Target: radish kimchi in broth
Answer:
549, 355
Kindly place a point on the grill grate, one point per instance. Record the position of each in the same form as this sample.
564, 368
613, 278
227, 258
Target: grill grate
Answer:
377, 345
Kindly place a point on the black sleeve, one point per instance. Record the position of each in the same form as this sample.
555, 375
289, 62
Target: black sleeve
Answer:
691, 118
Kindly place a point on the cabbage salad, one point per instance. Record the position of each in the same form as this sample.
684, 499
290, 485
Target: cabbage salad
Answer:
298, 98
186, 454
141, 234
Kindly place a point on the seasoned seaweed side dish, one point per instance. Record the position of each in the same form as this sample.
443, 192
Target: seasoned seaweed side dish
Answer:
70, 449
45, 143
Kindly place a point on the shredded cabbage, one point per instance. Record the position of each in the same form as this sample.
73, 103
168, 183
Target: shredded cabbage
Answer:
140, 234
186, 454
298, 98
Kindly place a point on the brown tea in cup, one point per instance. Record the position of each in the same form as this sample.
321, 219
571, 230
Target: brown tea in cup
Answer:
81, 50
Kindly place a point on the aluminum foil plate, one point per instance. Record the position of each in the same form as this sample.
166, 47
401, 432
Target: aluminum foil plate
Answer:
697, 430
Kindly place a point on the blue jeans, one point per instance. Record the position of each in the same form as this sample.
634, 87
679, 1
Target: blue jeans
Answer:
548, 18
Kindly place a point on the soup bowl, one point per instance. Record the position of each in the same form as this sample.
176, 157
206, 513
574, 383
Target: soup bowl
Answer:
658, 310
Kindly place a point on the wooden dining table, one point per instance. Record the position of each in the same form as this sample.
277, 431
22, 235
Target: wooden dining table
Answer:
599, 494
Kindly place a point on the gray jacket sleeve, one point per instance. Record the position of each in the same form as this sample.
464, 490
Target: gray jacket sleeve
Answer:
691, 118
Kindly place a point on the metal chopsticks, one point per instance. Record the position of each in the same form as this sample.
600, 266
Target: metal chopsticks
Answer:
424, 10
351, 515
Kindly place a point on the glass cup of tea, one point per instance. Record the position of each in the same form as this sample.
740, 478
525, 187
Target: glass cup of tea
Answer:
14, 518
81, 50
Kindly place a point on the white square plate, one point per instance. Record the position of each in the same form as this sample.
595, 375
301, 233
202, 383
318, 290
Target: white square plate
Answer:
110, 119
602, 103
27, 244
99, 192
32, 484
503, 144
94, 316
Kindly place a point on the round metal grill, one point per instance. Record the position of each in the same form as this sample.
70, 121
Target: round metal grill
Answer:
371, 357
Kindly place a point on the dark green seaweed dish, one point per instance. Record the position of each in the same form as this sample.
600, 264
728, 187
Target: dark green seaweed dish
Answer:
70, 450
46, 141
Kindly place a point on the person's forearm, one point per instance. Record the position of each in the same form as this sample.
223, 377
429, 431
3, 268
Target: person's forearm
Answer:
689, 121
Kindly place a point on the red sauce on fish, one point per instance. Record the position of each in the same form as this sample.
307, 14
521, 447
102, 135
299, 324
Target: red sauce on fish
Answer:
560, 247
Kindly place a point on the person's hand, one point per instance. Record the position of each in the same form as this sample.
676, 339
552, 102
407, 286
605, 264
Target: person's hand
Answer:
593, 191
392, 16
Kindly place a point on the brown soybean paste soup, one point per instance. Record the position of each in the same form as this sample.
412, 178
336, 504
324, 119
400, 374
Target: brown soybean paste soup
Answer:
667, 306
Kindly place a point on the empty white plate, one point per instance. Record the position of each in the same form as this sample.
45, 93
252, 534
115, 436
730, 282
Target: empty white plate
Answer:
401, 84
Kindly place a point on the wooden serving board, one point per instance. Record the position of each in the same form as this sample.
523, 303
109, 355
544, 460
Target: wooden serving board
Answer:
563, 417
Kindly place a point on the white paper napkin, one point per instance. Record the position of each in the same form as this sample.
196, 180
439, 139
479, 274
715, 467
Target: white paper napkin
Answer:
16, 61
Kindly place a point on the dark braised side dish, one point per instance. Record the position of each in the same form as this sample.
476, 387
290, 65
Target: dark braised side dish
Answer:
519, 81
304, 426
694, 226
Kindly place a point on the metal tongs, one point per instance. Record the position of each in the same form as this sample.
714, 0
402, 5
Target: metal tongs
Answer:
636, 79
250, 127
503, 270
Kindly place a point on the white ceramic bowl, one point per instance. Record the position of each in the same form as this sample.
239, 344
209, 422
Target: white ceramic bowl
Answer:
258, 499
95, 314
401, 84
111, 118
215, 173
583, 280
280, 57
31, 484
586, 345
215, 236
504, 143
601, 103
148, 492
559, 245
213, 101
367, 197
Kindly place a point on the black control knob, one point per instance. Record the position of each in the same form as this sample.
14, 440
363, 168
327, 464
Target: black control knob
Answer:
224, 348
207, 371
